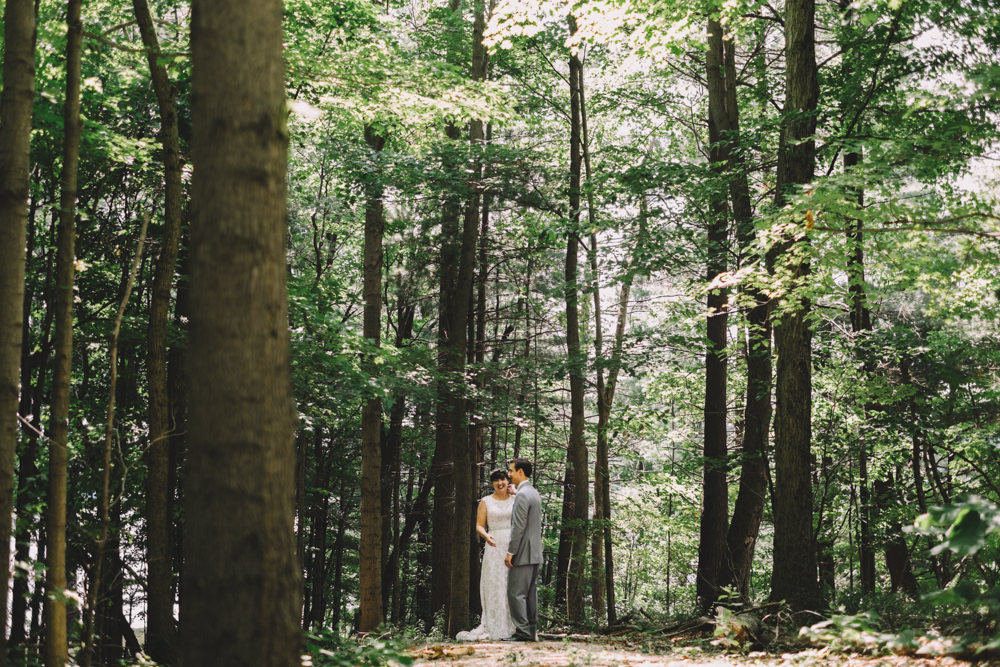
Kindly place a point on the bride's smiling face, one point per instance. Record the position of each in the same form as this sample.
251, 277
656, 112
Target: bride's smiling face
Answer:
500, 485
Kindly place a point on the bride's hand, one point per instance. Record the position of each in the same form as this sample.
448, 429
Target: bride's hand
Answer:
491, 540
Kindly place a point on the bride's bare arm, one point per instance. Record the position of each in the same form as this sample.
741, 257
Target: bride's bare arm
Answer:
481, 524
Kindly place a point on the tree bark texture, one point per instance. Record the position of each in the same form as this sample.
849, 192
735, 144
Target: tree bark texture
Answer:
370, 551
748, 510
242, 584
577, 454
161, 640
794, 573
466, 448
450, 408
55, 649
15, 131
715, 487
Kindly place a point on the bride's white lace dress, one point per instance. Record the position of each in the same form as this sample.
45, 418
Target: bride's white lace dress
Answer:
496, 623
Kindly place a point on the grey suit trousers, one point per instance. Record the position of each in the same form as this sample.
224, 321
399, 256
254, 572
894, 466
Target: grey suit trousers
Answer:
522, 597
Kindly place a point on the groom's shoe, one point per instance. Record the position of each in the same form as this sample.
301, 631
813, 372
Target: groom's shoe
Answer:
517, 638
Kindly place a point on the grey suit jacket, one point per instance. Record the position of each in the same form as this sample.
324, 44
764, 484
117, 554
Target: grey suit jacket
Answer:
526, 526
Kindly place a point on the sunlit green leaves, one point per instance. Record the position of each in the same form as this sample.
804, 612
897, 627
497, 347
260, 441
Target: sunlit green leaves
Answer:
963, 526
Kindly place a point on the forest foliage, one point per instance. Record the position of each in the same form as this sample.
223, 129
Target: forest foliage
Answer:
887, 251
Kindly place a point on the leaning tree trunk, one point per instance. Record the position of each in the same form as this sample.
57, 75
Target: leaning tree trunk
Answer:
242, 584
794, 574
715, 487
56, 650
160, 633
370, 549
576, 458
15, 132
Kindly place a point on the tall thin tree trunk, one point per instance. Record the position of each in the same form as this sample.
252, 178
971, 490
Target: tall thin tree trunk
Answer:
602, 555
30, 405
370, 551
564, 552
392, 472
744, 526
56, 648
29, 486
242, 585
794, 574
161, 637
450, 409
466, 447
317, 543
104, 497
177, 383
860, 316
15, 132
338, 558
576, 458
524, 310
715, 487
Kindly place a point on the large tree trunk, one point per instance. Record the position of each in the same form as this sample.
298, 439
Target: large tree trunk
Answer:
744, 526
370, 550
715, 487
56, 649
450, 408
161, 640
15, 133
242, 585
794, 575
466, 448
576, 456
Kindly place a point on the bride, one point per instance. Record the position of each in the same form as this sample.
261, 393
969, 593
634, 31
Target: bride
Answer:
494, 513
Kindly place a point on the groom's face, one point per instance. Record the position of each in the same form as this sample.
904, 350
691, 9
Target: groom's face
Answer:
516, 476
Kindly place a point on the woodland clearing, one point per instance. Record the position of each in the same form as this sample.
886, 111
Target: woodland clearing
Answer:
634, 653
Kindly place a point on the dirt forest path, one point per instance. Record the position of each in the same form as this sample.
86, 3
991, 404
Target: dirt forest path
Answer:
634, 654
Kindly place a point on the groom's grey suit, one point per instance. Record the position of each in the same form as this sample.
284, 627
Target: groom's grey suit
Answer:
526, 547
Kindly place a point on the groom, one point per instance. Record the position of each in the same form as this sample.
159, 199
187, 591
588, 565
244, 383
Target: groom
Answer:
524, 554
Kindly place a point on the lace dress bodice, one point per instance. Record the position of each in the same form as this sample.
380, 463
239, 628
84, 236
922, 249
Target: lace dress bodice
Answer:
498, 513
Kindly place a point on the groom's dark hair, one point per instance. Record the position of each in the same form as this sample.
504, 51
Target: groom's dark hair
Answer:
522, 464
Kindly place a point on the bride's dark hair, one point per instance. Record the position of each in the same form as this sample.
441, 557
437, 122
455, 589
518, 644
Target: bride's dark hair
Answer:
499, 473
